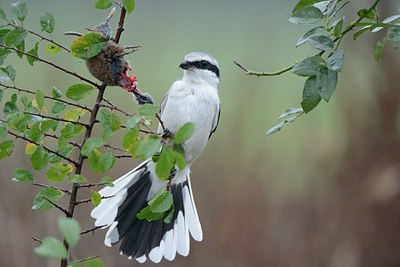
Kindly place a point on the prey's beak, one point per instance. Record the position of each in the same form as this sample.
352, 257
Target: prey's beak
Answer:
184, 65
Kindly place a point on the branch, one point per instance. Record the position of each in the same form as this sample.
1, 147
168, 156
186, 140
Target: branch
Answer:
258, 74
66, 212
46, 97
91, 185
87, 259
114, 148
120, 28
53, 65
45, 148
57, 119
53, 187
57, 137
36, 239
124, 156
41, 36
83, 201
114, 107
92, 229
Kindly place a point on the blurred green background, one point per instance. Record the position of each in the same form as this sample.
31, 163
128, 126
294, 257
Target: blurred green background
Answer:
325, 191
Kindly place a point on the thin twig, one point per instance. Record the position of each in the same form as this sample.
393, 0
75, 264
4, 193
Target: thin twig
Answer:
57, 119
66, 212
53, 65
258, 74
158, 116
41, 36
57, 137
120, 28
87, 259
53, 187
114, 148
91, 185
35, 239
92, 229
83, 201
114, 107
46, 97
124, 156
44, 147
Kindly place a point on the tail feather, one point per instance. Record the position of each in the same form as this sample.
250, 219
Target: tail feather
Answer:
142, 239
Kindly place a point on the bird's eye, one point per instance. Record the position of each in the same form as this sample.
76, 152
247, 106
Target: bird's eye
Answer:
204, 63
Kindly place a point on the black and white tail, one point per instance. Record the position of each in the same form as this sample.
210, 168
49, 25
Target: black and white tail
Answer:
142, 239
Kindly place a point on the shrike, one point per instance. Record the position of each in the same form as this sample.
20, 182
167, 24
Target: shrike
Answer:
193, 99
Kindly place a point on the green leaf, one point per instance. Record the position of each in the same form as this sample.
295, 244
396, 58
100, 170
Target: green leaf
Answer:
93, 263
110, 122
335, 60
33, 52
95, 197
20, 10
52, 248
327, 82
77, 178
364, 13
74, 114
360, 32
47, 22
337, 27
162, 201
2, 14
133, 122
6, 148
90, 144
56, 93
58, 107
305, 3
184, 133
3, 55
165, 163
321, 42
148, 147
74, 264
303, 39
88, 45
52, 49
71, 130
380, 46
34, 133
15, 37
131, 139
1, 94
41, 203
21, 47
9, 71
103, 4
39, 97
22, 175
39, 158
59, 172
108, 181
147, 214
393, 35
78, 91
129, 5
148, 110
99, 162
290, 112
306, 16
308, 66
180, 159
48, 124
30, 148
3, 131
311, 96
70, 229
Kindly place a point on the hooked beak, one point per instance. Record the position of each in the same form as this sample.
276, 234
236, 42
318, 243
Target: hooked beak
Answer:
184, 65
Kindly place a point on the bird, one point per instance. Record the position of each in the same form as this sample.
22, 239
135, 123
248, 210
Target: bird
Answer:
195, 99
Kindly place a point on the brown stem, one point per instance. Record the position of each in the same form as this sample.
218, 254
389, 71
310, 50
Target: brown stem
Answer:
57, 119
66, 212
53, 187
92, 230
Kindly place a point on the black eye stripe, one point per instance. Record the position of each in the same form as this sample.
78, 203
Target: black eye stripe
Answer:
205, 65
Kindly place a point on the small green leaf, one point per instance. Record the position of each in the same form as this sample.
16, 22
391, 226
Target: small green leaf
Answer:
59, 172
327, 82
22, 175
30, 148
77, 178
3, 130
74, 114
88, 45
15, 37
133, 122
110, 122
39, 158
33, 52
108, 181
41, 203
337, 27
90, 144
56, 93
48, 124
180, 160
308, 66
303, 39
52, 248
47, 22
165, 163
147, 147
161, 202
20, 10
184, 133
335, 60
3, 55
1, 94
129, 5
103, 4
380, 46
99, 162
321, 42
20, 47
70, 229
305, 3
6, 148
9, 71
95, 197
306, 16
148, 110
93, 263
58, 107
360, 32
2, 14
52, 49
78, 91
147, 214
39, 97
365, 13
311, 96
290, 112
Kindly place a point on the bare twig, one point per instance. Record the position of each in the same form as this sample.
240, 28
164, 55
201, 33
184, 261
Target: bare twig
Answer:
91, 185
83, 201
36, 239
57, 119
57, 137
87, 259
92, 229
66, 212
158, 116
114, 148
258, 74
44, 147
120, 28
53, 65
53, 187
123, 156
114, 107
